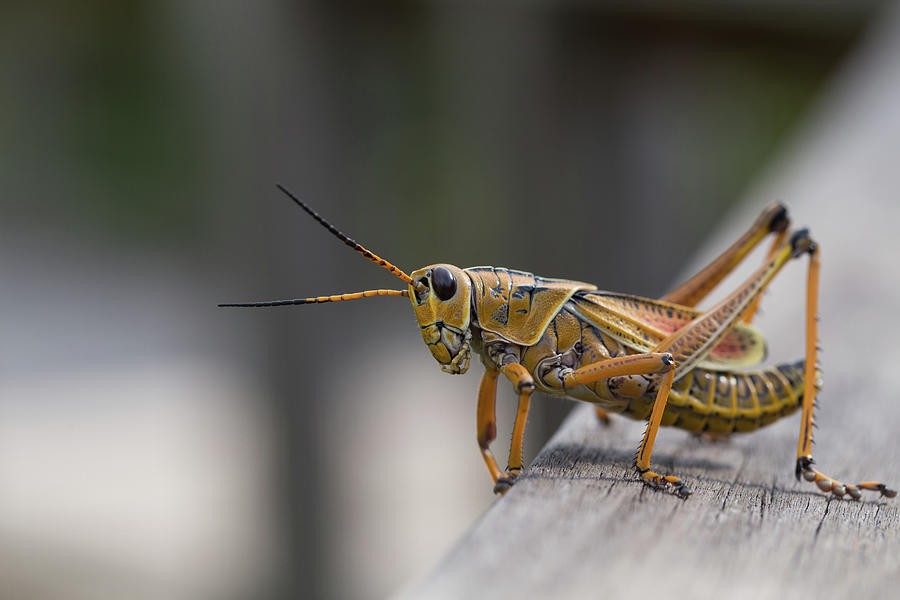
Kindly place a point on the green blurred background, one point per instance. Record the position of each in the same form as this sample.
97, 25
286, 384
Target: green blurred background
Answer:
154, 446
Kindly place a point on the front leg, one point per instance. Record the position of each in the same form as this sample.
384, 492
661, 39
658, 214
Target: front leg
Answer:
487, 419
523, 383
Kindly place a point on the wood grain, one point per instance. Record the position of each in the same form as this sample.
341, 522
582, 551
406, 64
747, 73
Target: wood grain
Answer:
579, 523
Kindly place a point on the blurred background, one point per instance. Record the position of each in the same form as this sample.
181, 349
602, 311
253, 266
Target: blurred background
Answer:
154, 446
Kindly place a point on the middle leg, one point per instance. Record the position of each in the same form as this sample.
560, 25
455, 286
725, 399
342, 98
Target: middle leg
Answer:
638, 364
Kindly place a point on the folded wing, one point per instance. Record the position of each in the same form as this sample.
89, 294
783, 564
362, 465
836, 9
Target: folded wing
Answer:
642, 323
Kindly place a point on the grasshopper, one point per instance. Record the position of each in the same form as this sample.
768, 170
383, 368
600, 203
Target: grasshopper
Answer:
662, 361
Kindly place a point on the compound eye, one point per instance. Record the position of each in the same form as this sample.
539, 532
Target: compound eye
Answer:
443, 283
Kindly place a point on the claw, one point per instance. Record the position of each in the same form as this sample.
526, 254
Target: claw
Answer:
504, 483
666, 482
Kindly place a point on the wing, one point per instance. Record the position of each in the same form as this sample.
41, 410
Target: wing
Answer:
642, 323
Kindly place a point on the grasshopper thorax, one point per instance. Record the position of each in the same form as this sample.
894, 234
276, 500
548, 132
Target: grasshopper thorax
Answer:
441, 299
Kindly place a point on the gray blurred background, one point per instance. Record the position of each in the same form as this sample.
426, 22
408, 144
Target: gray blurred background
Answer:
154, 446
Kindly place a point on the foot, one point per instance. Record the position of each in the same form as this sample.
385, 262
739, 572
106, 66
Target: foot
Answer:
505, 481
666, 482
827, 484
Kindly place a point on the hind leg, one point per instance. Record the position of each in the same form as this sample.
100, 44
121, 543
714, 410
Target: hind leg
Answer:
805, 460
773, 219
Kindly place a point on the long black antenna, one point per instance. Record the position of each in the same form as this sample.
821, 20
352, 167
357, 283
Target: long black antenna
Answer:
320, 299
349, 241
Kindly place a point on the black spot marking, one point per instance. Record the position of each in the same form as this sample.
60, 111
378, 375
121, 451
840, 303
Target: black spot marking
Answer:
501, 315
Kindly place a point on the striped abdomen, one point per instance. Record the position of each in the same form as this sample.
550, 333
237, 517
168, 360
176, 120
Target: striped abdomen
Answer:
701, 400
724, 402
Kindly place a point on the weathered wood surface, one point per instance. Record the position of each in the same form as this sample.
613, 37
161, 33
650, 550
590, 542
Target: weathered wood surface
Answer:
578, 524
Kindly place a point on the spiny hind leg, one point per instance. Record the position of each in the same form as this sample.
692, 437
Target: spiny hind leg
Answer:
805, 460
773, 219
690, 344
776, 243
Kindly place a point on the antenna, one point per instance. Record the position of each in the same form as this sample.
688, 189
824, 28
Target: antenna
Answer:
320, 299
350, 242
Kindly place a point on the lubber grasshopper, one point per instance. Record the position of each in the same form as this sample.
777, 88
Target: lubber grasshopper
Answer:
657, 360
